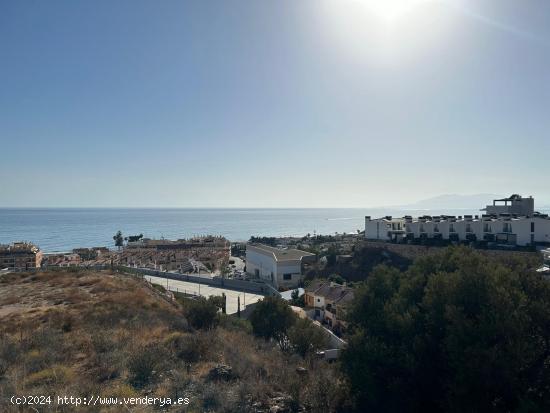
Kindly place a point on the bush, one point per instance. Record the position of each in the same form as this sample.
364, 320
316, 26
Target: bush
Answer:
144, 363
55, 375
271, 318
9, 351
188, 347
201, 313
107, 358
232, 323
306, 338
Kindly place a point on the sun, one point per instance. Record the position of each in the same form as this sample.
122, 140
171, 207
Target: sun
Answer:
391, 10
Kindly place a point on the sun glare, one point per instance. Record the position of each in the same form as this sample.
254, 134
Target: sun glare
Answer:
391, 10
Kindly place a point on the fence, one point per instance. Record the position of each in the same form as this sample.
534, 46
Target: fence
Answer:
228, 283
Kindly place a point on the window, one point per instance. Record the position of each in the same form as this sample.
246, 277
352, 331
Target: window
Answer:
421, 227
436, 228
468, 228
532, 227
287, 277
451, 228
487, 228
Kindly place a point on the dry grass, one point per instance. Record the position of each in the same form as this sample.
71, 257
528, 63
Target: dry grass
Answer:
81, 333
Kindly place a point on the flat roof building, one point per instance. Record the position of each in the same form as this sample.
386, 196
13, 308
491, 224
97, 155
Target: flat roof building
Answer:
513, 224
282, 268
20, 256
515, 204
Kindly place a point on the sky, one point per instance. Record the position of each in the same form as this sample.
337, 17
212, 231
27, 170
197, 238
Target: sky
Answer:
274, 103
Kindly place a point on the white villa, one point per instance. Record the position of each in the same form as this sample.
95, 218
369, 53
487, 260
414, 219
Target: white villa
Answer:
513, 223
282, 268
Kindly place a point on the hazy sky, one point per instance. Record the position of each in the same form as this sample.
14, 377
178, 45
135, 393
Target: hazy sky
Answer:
273, 103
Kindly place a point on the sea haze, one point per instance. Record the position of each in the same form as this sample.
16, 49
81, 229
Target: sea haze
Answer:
62, 229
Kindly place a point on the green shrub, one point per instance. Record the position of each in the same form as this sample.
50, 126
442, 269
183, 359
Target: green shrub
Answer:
144, 363
190, 348
306, 338
55, 375
271, 318
201, 313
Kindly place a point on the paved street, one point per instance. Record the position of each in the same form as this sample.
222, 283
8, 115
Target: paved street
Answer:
207, 291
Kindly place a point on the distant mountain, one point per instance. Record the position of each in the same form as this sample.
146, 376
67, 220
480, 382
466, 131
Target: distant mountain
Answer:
454, 201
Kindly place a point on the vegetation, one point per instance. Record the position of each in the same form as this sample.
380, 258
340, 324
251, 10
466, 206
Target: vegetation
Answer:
264, 240
202, 313
119, 239
337, 279
297, 299
84, 332
134, 238
274, 319
458, 331
306, 338
271, 319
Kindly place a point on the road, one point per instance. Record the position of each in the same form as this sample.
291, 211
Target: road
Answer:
207, 291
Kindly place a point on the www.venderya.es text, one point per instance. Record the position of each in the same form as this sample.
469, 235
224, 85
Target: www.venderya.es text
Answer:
95, 400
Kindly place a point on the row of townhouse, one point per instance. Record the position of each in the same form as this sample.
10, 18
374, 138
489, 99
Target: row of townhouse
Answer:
329, 302
61, 260
500, 225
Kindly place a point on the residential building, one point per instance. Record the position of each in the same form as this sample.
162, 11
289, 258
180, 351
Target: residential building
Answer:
282, 268
20, 256
515, 204
88, 254
61, 260
386, 228
513, 224
329, 302
208, 254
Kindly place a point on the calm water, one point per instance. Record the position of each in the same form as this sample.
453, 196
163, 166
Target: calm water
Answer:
65, 229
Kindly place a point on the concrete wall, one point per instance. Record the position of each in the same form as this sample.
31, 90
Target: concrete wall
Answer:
265, 265
239, 285
376, 229
290, 267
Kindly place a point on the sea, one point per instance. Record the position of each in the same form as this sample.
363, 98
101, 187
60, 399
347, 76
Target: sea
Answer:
62, 229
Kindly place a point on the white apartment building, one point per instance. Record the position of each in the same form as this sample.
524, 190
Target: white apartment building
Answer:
282, 268
501, 227
387, 228
515, 204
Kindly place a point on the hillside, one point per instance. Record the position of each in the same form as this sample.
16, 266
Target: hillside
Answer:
100, 334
